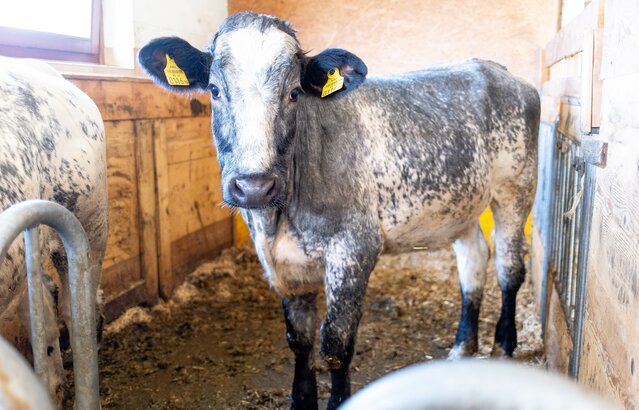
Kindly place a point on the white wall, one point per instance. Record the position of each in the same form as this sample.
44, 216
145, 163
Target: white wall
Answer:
130, 24
194, 20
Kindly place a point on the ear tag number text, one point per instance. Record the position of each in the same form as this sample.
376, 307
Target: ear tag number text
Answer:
334, 83
174, 74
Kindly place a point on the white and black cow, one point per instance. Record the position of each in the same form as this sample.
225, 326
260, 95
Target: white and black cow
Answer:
382, 165
51, 147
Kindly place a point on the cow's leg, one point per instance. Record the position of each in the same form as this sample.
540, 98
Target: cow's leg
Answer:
472, 259
346, 279
300, 313
510, 213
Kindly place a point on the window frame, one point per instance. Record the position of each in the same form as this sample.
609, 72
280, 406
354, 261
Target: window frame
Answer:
51, 46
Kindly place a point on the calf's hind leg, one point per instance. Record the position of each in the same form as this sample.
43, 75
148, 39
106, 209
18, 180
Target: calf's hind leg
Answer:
510, 215
472, 258
300, 313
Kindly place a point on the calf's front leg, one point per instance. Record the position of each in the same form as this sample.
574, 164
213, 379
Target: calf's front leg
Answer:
300, 313
346, 280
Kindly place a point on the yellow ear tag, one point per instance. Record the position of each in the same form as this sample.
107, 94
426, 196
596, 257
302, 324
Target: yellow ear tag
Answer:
174, 74
334, 83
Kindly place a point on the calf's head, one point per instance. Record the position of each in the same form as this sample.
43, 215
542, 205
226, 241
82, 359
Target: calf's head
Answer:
255, 72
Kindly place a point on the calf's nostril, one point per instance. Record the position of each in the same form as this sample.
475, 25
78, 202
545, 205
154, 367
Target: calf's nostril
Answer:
269, 187
236, 188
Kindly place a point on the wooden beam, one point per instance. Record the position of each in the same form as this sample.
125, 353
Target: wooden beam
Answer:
544, 71
120, 100
587, 63
148, 207
163, 217
597, 82
569, 40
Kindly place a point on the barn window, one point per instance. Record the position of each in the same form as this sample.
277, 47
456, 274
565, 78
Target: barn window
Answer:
55, 30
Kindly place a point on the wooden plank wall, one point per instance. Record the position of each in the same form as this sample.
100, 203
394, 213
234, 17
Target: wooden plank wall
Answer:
610, 354
164, 189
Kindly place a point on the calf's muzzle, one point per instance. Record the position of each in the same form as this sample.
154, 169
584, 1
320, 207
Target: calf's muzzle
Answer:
254, 191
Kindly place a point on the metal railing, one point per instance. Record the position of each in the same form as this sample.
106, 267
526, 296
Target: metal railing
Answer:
571, 213
27, 216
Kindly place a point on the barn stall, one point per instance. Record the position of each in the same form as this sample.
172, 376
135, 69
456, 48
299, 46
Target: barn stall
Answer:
191, 321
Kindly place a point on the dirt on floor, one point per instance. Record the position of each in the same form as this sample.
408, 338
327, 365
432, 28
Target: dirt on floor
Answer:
220, 342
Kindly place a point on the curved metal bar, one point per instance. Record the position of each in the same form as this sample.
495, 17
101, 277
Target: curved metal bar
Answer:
26, 215
36, 303
19, 387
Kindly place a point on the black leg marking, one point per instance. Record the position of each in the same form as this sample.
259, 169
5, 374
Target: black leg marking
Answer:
506, 329
300, 315
466, 343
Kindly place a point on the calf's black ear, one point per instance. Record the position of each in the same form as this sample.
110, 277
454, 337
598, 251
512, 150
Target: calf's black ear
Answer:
321, 73
175, 64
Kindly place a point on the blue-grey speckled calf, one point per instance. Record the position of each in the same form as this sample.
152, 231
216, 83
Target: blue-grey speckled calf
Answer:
386, 164
51, 147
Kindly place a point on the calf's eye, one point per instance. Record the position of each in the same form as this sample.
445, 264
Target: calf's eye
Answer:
295, 93
215, 92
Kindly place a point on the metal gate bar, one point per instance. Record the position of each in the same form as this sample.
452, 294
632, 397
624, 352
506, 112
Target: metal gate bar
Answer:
568, 242
26, 216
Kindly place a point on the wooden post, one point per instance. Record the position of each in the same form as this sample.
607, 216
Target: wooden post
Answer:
148, 207
163, 220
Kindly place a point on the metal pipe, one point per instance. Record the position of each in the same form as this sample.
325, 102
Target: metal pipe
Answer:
582, 268
81, 290
36, 303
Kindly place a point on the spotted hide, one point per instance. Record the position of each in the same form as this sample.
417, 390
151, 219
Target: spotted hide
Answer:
51, 147
384, 164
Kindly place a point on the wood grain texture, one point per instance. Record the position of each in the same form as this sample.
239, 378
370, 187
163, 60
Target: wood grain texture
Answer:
597, 79
610, 348
163, 217
394, 36
557, 338
194, 196
570, 39
190, 250
610, 351
587, 81
189, 139
147, 207
135, 100
118, 278
154, 139
123, 241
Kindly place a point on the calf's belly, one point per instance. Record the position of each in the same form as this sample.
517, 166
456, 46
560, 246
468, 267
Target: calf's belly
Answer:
429, 228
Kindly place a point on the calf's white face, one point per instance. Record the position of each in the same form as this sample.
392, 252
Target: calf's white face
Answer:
255, 72
254, 82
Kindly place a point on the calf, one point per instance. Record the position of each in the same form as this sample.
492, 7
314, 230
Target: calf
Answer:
51, 147
330, 170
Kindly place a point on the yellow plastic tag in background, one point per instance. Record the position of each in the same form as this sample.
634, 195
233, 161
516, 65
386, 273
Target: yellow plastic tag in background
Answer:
174, 74
334, 83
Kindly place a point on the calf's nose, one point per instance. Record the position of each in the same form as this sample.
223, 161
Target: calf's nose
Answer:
253, 191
